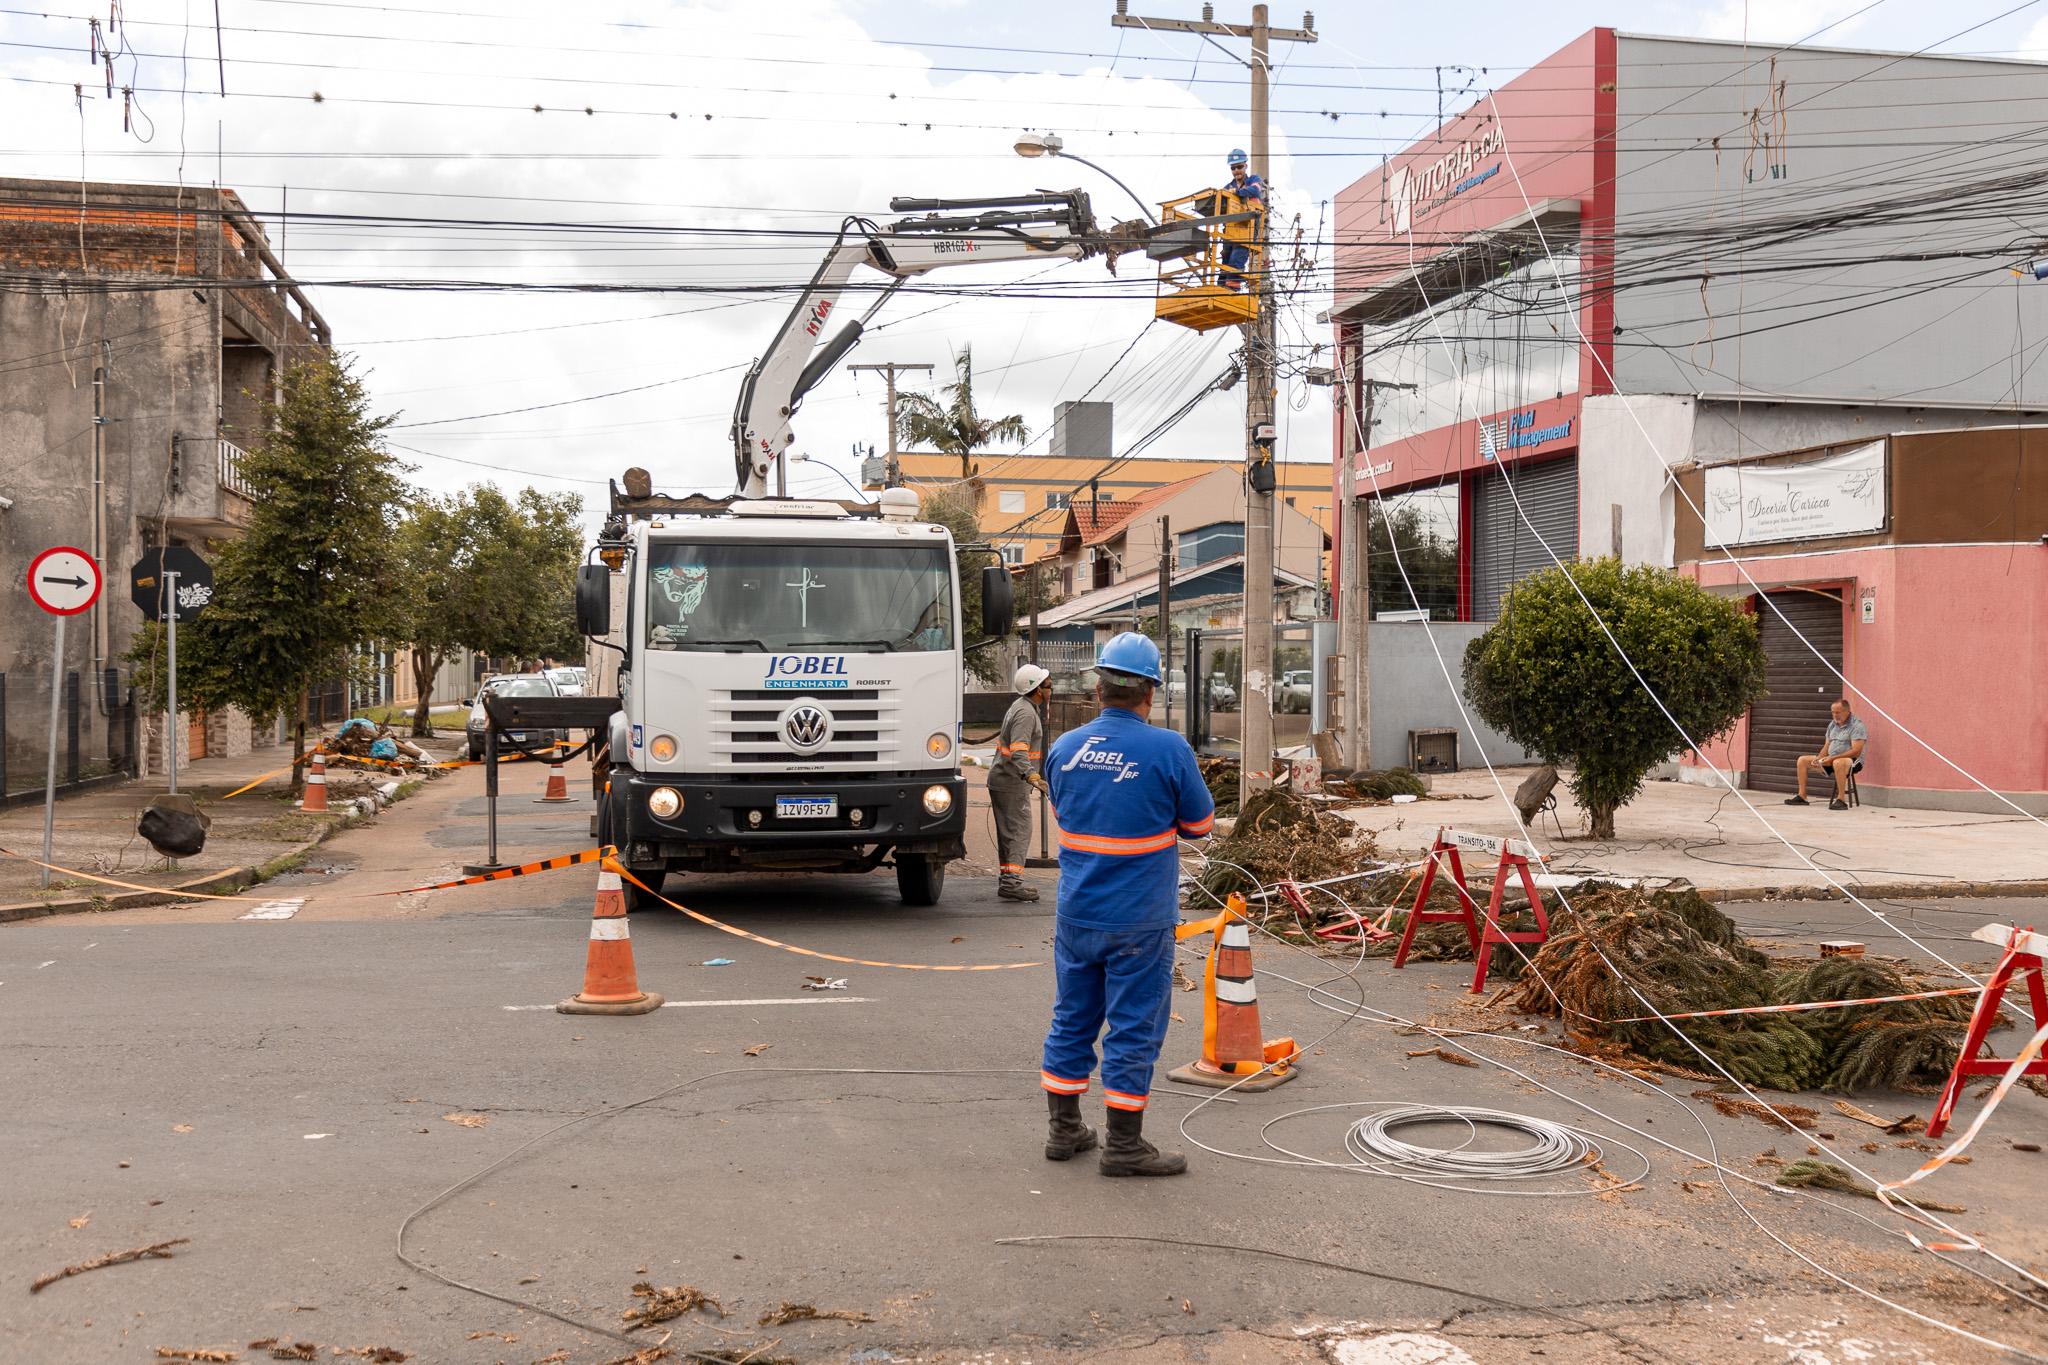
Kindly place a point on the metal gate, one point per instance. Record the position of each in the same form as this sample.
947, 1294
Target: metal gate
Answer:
1505, 543
1791, 719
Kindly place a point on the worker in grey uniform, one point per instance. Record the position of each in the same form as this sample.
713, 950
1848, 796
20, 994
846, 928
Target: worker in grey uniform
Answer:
1012, 776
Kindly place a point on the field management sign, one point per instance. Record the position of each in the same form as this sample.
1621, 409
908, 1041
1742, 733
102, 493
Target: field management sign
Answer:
1842, 495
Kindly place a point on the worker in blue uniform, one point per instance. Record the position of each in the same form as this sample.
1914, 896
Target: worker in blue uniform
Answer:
1252, 190
1125, 793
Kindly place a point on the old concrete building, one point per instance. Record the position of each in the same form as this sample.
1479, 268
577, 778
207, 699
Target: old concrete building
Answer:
141, 329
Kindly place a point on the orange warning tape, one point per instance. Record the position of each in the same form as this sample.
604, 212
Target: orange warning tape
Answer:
588, 855
1955, 1149
561, 860
810, 952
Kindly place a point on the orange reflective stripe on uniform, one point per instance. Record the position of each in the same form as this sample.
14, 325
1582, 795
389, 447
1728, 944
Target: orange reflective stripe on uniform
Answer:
1011, 867
1117, 1099
1103, 843
1200, 827
1060, 1085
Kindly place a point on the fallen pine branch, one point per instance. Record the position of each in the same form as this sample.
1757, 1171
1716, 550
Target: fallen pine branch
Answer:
160, 1251
791, 1312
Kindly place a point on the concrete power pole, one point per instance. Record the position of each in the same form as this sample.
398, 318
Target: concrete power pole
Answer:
1260, 477
895, 469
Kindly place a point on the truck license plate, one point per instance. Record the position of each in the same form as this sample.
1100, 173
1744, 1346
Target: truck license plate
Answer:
806, 807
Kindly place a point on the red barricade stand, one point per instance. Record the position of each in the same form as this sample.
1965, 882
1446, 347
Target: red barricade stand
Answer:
2023, 951
1445, 848
1514, 860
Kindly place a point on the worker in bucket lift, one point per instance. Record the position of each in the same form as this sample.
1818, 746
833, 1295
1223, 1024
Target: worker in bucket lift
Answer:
1247, 187
1012, 776
1125, 794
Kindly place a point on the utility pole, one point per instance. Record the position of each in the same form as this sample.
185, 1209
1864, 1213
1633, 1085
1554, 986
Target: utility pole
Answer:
1256, 750
1166, 611
894, 467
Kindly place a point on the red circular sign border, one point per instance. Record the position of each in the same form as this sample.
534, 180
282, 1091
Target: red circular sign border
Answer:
98, 585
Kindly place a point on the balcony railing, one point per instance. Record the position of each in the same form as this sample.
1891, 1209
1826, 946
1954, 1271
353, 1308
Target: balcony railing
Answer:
231, 458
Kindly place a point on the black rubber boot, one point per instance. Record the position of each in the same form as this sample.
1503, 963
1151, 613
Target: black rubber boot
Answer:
1067, 1134
1129, 1154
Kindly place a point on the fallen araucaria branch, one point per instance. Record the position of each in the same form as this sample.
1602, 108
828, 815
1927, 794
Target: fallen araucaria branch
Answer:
160, 1250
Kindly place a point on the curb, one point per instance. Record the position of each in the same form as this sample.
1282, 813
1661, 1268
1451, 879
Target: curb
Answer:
215, 884
1875, 891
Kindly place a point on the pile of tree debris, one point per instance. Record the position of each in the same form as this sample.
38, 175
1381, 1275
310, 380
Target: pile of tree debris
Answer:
1221, 776
1620, 954
1280, 836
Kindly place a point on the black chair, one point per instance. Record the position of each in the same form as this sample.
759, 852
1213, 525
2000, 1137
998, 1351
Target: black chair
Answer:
1852, 797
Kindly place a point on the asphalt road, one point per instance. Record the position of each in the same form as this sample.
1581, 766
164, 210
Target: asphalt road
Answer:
278, 1091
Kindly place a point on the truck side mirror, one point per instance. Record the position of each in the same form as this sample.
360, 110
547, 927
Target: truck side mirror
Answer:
594, 600
998, 600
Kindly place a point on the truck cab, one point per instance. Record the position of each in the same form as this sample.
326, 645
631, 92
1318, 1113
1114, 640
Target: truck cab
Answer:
789, 678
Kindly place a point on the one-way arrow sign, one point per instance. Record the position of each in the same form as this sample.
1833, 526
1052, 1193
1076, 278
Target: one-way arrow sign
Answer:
64, 581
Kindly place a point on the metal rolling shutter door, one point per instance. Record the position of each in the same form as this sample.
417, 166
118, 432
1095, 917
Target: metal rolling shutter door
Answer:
1505, 548
1792, 718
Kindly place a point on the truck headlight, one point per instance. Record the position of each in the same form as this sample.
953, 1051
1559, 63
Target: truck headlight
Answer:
939, 745
663, 748
665, 802
937, 800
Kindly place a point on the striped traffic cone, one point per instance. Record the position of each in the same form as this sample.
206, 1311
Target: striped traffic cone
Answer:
610, 985
1233, 1047
316, 785
558, 783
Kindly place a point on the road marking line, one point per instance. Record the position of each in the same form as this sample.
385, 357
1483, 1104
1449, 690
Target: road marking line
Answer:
778, 1000
275, 910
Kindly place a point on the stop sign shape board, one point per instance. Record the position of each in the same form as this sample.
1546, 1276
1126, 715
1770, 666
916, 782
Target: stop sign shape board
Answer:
64, 581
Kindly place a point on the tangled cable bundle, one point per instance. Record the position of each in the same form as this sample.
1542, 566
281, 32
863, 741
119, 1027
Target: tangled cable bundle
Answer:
1557, 1150
1682, 955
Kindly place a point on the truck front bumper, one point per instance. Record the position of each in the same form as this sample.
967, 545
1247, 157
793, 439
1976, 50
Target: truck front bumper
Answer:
885, 810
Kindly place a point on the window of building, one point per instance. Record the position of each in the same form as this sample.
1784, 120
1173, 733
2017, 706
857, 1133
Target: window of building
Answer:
1010, 500
1209, 542
1059, 502
1423, 527
1013, 555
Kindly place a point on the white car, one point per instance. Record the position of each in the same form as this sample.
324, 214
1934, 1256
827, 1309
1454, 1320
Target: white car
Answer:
1296, 690
568, 681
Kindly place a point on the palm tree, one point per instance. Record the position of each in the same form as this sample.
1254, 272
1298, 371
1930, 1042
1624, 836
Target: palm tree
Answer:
955, 428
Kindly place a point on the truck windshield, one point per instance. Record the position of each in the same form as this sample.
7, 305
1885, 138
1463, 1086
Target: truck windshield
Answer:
792, 598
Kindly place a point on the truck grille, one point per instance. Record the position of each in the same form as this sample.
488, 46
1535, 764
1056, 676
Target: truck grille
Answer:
744, 734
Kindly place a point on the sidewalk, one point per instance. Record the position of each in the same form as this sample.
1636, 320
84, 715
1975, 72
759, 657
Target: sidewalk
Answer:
1709, 838
95, 831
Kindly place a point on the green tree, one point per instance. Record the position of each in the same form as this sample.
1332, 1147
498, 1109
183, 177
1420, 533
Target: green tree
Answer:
312, 579
484, 572
948, 511
1547, 676
954, 427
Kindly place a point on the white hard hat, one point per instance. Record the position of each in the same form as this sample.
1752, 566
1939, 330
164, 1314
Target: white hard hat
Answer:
1028, 679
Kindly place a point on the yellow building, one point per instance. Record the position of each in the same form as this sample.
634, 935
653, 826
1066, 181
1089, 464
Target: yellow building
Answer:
1022, 500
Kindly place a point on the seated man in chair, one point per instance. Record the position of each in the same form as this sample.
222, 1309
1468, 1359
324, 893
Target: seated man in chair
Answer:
1841, 754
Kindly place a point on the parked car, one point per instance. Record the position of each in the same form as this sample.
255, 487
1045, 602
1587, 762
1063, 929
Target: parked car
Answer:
1296, 691
1222, 696
568, 681
513, 685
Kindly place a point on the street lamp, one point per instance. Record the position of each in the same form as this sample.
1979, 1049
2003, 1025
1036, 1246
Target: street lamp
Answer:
802, 458
1052, 144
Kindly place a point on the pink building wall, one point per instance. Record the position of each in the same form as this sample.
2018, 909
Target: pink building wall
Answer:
1957, 654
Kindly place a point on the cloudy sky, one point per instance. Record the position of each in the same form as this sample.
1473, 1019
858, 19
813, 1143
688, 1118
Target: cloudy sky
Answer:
724, 142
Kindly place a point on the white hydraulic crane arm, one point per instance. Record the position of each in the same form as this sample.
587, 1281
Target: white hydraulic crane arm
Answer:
1038, 226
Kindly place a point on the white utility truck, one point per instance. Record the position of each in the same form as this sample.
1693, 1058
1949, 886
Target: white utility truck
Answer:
789, 673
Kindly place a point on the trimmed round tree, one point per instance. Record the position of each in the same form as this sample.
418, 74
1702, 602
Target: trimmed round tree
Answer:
1547, 676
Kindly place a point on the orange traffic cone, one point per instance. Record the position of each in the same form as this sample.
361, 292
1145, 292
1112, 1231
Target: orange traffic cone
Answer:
610, 985
558, 783
316, 785
1234, 1051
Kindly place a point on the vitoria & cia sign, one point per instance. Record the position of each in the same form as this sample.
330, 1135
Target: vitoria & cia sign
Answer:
1413, 189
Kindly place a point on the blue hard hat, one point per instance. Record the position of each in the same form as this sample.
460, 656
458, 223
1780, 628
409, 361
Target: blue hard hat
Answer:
1237, 157
1131, 653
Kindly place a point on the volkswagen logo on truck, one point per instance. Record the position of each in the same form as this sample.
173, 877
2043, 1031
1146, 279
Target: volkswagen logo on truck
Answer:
806, 727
